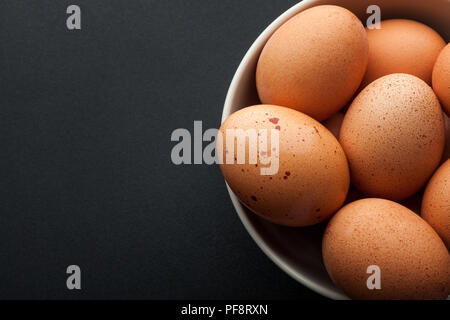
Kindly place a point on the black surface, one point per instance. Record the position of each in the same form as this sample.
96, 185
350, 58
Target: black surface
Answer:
85, 124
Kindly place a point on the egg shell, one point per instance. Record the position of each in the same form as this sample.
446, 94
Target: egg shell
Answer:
393, 136
436, 202
402, 46
413, 261
441, 78
312, 179
314, 62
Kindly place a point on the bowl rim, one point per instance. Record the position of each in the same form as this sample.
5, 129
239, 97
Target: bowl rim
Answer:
279, 261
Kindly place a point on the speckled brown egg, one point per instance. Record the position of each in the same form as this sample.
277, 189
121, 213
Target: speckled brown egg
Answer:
312, 177
393, 136
402, 46
314, 62
436, 202
412, 261
441, 78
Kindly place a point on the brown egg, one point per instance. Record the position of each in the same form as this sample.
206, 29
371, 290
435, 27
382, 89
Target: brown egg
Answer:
314, 62
312, 177
376, 239
441, 78
436, 202
334, 124
402, 46
393, 136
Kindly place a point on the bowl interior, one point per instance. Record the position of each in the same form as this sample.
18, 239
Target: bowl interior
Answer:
298, 250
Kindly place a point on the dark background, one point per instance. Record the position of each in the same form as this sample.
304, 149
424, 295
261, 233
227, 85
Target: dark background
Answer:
85, 124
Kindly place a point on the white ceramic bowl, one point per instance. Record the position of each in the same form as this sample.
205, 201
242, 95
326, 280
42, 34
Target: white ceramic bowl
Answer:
297, 251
